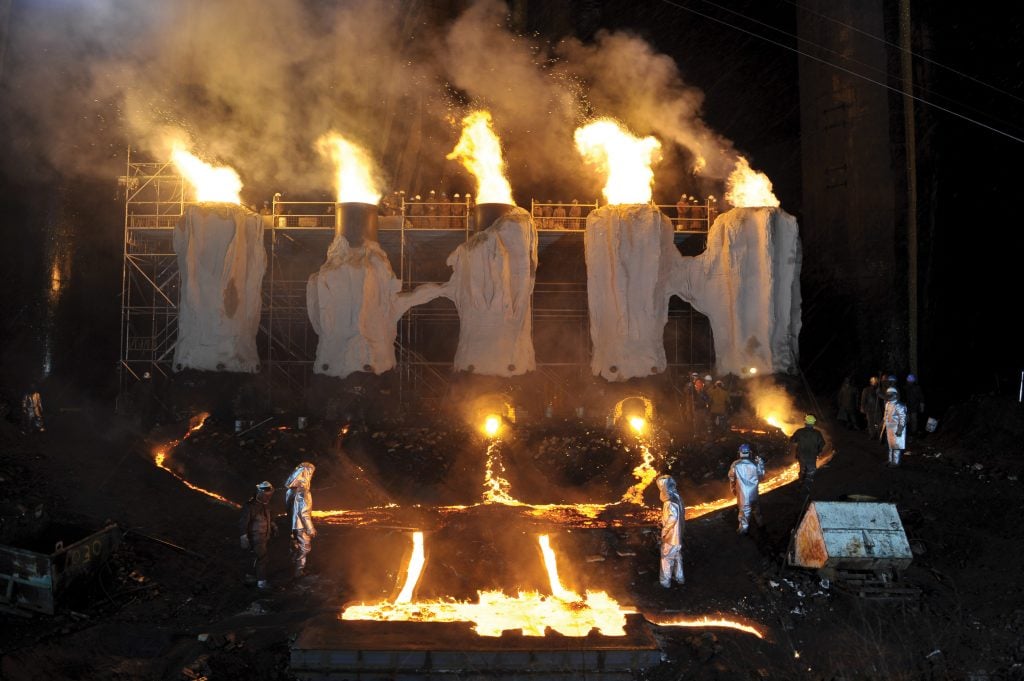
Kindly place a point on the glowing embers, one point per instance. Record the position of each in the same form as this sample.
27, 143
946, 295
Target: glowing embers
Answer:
747, 188
211, 183
708, 621
356, 176
479, 151
624, 159
564, 612
195, 423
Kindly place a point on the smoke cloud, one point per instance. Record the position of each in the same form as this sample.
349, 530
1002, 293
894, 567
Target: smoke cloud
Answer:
253, 85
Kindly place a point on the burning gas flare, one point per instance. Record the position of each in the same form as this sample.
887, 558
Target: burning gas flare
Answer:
479, 151
747, 188
356, 179
211, 183
705, 621
624, 158
160, 457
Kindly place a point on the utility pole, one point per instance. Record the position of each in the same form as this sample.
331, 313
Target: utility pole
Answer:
907, 73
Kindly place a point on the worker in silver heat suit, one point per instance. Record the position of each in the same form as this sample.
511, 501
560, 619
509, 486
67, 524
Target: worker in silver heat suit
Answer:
894, 425
299, 502
672, 523
745, 475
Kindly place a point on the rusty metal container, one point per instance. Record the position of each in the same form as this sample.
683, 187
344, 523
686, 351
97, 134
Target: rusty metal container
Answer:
485, 214
357, 221
34, 577
850, 535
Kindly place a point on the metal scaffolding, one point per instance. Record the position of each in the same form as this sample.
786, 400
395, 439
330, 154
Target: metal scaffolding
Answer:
417, 236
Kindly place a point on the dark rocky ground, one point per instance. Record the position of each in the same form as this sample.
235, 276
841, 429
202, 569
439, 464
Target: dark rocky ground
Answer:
173, 603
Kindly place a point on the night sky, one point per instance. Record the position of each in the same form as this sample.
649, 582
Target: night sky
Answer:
64, 147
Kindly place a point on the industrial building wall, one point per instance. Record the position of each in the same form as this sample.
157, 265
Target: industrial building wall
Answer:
853, 186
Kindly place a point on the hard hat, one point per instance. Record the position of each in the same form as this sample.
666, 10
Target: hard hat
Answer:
708, 377
874, 380
265, 486
694, 374
744, 449
911, 378
892, 391
891, 378
146, 374
720, 384
810, 420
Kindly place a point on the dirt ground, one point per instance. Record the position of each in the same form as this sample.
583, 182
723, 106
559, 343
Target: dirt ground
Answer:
173, 602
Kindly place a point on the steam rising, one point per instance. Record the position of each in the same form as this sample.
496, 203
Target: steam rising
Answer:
253, 86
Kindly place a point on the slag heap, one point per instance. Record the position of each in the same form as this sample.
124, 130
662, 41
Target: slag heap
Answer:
630, 256
221, 261
492, 288
747, 282
351, 301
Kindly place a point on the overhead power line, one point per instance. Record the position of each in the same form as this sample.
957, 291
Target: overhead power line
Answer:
826, 62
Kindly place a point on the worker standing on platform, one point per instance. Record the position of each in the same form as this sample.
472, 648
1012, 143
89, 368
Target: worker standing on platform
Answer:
299, 502
672, 523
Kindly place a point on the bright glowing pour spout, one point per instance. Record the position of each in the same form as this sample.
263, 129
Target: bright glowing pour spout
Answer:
211, 183
479, 151
414, 570
624, 159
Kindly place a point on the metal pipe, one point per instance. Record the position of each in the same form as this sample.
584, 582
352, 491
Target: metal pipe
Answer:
486, 214
357, 221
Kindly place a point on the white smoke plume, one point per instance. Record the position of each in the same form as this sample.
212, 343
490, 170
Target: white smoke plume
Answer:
253, 84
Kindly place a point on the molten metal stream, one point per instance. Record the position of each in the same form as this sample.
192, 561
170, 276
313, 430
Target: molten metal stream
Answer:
707, 621
195, 423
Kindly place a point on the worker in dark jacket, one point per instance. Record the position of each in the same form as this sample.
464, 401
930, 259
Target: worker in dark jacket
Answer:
257, 526
807, 443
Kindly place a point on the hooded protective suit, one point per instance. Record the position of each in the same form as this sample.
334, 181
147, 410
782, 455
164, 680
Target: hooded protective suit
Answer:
672, 522
894, 421
299, 502
744, 476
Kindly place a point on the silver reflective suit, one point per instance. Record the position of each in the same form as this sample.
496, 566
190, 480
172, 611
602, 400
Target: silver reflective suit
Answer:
299, 502
672, 522
894, 421
744, 476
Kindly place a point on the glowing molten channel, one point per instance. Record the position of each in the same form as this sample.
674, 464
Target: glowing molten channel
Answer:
414, 570
565, 612
747, 188
624, 159
160, 457
211, 183
705, 621
479, 151
356, 178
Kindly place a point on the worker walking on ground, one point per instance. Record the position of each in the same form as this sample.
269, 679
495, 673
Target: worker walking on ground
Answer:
846, 404
745, 474
894, 422
870, 406
299, 502
718, 406
672, 523
807, 443
257, 527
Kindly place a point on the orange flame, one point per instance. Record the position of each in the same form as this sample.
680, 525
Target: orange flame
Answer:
624, 158
211, 183
479, 151
356, 178
747, 188
566, 612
